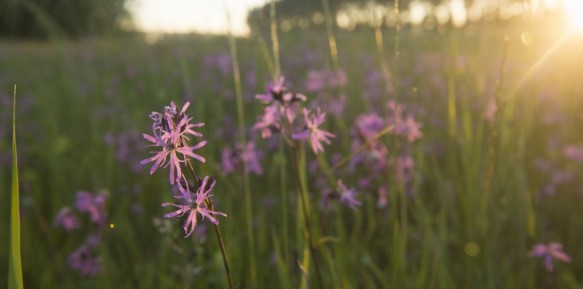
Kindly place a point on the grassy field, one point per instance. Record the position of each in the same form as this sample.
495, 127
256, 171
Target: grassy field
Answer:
460, 206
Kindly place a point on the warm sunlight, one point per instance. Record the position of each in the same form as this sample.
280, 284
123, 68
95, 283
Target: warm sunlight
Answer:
182, 16
574, 11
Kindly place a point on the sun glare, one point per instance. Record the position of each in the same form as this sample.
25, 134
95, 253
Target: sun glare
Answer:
574, 12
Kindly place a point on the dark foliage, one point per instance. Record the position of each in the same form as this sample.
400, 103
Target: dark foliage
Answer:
69, 18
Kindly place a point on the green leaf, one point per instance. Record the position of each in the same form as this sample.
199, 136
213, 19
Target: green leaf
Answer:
15, 263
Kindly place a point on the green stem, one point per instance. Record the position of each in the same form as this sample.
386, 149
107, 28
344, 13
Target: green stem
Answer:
304, 207
304, 204
284, 199
243, 141
274, 41
331, 38
222, 246
210, 204
493, 138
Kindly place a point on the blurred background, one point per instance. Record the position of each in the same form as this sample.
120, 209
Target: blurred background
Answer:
76, 19
488, 165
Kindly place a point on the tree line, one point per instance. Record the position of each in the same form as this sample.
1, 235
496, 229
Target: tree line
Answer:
68, 18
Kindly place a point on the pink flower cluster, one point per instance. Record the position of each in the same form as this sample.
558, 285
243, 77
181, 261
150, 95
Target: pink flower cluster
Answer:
171, 131
280, 116
83, 259
242, 158
371, 154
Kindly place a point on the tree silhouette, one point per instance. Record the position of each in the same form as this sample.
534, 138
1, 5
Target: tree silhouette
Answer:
70, 18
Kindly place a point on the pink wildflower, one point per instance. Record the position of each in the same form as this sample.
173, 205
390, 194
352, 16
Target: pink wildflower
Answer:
313, 132
195, 204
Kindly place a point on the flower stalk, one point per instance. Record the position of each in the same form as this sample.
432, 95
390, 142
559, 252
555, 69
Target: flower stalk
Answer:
306, 215
171, 132
210, 204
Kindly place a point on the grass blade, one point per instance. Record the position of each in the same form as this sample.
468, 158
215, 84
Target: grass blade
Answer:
15, 263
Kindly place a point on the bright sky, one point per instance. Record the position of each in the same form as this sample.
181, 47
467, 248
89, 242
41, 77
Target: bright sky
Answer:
178, 16
209, 16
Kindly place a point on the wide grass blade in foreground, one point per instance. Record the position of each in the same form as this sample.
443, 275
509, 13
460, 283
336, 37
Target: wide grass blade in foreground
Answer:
15, 263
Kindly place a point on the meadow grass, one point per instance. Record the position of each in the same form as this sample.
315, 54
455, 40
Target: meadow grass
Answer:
481, 193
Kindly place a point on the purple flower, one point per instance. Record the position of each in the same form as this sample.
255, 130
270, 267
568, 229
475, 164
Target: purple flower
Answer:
83, 261
274, 89
366, 128
573, 152
348, 196
561, 176
250, 158
411, 129
171, 132
269, 122
243, 157
277, 92
315, 81
66, 219
93, 205
403, 126
369, 125
228, 160
313, 132
549, 252
194, 204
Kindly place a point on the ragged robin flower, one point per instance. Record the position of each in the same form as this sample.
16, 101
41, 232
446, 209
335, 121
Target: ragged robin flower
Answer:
171, 132
348, 196
312, 132
193, 204
549, 252
277, 92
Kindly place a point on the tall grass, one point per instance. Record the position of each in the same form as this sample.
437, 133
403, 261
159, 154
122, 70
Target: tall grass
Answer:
15, 261
443, 231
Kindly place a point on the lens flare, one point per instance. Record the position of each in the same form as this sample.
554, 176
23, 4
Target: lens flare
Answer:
574, 11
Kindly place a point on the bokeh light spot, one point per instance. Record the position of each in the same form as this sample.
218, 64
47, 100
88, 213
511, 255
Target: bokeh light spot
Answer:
526, 38
472, 249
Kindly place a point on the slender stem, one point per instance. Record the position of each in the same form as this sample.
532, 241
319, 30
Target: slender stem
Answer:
304, 206
381, 50
222, 245
284, 199
494, 131
210, 204
402, 195
243, 141
274, 41
264, 48
331, 38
